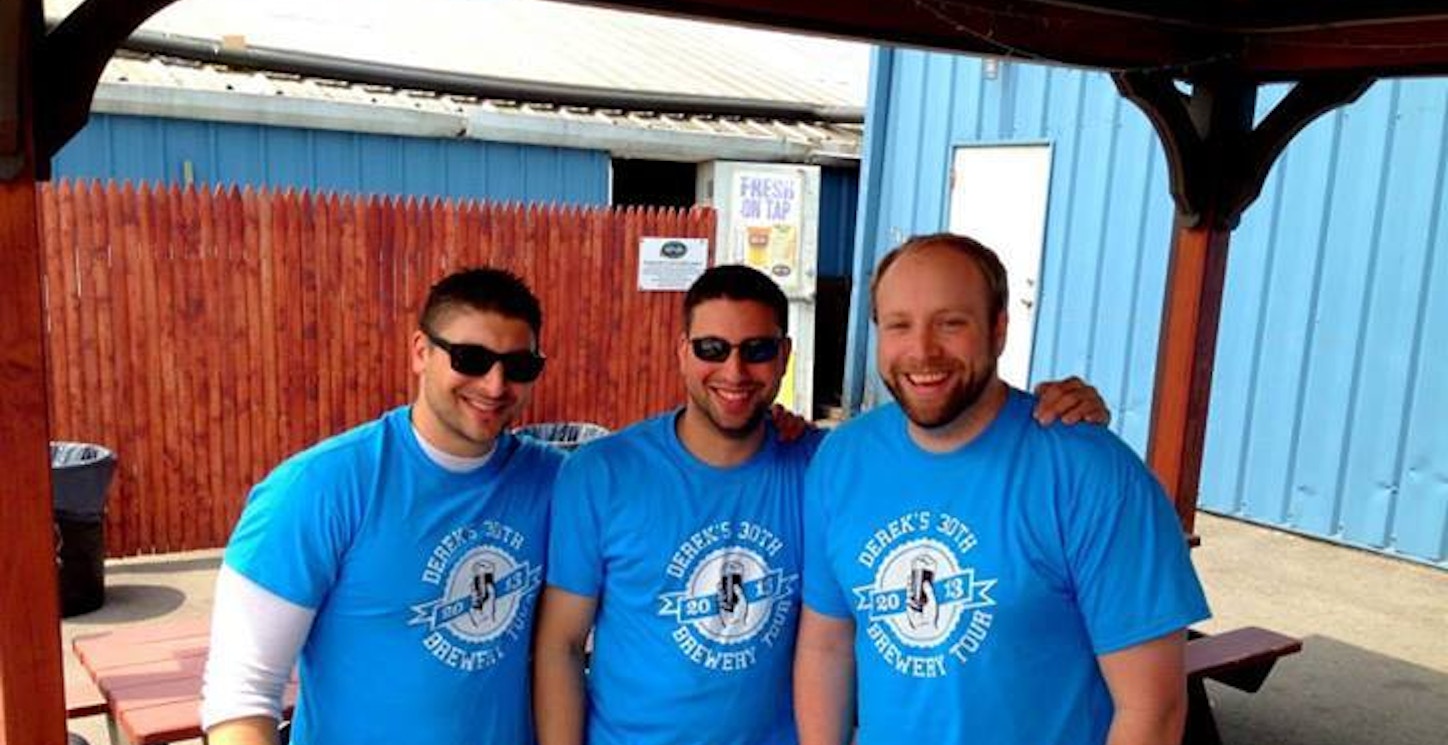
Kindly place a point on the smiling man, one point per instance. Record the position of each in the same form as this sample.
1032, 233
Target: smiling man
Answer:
399, 561
971, 576
678, 540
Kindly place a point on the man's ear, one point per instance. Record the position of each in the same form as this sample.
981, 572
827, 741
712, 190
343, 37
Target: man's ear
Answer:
998, 334
418, 354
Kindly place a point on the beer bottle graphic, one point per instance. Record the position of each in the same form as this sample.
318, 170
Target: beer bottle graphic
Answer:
921, 607
485, 592
733, 605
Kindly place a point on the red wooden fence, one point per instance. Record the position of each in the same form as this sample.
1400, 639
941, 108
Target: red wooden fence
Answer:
205, 335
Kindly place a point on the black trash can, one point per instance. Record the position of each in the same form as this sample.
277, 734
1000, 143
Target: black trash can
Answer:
80, 474
563, 435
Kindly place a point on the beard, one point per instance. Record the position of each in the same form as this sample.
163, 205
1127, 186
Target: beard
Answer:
740, 432
960, 399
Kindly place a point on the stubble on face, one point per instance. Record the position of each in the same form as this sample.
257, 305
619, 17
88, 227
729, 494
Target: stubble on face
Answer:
731, 398
464, 415
939, 340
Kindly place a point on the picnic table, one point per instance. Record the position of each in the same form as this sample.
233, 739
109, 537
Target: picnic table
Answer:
149, 678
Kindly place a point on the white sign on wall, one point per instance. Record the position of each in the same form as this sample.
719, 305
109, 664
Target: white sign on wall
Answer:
671, 264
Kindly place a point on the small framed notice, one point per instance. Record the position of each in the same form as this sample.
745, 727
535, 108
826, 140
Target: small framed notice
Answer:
671, 264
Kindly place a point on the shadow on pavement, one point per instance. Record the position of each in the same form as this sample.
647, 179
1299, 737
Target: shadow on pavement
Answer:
131, 602
1335, 693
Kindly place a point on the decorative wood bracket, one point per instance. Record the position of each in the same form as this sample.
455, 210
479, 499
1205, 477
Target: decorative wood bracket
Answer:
1218, 161
68, 66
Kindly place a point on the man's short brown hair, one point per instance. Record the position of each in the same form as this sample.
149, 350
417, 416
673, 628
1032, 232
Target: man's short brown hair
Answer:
984, 258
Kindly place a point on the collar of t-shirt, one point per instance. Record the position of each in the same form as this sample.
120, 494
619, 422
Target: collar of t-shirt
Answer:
449, 462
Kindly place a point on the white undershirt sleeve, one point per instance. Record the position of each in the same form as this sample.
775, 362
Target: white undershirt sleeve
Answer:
256, 636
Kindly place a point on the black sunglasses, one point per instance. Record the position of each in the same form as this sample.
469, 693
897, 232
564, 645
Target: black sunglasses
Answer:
754, 350
476, 360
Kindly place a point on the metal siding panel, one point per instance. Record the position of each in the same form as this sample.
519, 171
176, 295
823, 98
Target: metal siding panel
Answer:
1113, 336
1372, 480
239, 152
505, 174
839, 195
137, 149
1331, 379
466, 175
1154, 236
382, 165
1285, 329
1030, 100
87, 155
188, 142
542, 175
933, 155
1420, 523
288, 156
1061, 301
874, 183
1230, 423
967, 99
423, 167
337, 162
1090, 254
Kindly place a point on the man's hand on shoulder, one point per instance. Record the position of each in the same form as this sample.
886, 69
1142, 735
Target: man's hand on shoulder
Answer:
788, 424
1070, 401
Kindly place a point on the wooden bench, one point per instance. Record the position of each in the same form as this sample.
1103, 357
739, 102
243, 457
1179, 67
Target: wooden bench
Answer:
83, 698
1241, 658
150, 680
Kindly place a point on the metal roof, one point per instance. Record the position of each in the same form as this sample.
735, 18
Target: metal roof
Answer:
159, 86
530, 40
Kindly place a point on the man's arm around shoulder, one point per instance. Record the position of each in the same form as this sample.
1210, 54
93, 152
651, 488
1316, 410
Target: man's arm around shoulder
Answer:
1148, 688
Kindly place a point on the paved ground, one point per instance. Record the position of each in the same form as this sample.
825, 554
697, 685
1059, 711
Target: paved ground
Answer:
1374, 670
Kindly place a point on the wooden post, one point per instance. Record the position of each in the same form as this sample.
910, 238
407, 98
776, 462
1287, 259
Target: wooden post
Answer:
1196, 273
32, 704
1217, 161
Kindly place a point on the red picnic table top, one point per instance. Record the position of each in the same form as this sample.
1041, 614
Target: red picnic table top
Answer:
150, 677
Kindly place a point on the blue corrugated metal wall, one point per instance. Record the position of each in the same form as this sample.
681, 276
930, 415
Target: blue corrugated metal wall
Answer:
156, 149
839, 199
1328, 400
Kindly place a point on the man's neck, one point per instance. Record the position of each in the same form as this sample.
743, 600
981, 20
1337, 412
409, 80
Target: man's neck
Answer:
963, 430
704, 441
436, 435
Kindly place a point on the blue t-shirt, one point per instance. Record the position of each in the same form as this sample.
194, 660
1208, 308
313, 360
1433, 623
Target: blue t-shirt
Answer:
984, 582
696, 574
423, 581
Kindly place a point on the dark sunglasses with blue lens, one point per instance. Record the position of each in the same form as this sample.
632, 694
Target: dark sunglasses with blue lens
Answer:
476, 360
753, 350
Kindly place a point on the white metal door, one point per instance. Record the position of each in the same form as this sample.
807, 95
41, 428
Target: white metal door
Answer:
998, 196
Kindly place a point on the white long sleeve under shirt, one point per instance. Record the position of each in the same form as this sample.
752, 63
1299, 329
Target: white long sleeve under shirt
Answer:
256, 635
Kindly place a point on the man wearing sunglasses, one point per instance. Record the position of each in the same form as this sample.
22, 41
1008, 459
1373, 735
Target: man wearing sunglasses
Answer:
678, 541
400, 561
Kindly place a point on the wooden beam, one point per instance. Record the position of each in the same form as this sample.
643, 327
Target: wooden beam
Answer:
32, 704
1393, 47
